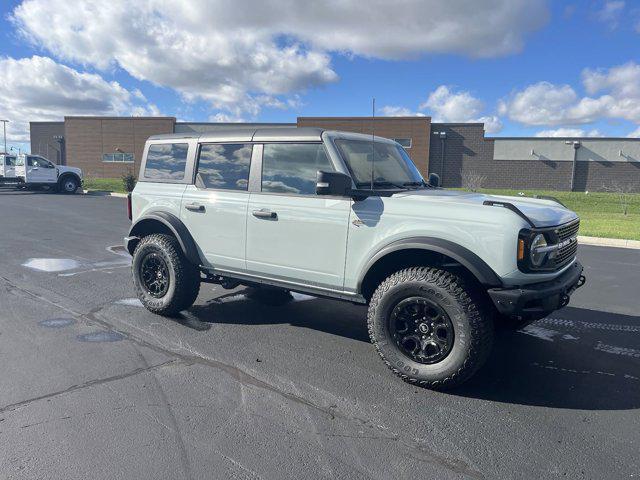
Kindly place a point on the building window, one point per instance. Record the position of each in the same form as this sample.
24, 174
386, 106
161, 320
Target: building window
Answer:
404, 142
117, 157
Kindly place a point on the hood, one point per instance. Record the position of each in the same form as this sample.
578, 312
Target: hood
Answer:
541, 212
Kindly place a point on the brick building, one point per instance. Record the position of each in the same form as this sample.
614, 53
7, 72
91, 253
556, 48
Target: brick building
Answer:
111, 146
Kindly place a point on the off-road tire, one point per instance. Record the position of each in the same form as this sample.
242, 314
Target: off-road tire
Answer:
473, 328
184, 277
272, 297
61, 186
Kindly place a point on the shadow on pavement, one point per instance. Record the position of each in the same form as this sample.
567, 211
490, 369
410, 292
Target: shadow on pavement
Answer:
240, 308
574, 359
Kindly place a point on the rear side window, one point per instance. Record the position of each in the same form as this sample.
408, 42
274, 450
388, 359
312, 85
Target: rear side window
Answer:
166, 161
225, 166
292, 167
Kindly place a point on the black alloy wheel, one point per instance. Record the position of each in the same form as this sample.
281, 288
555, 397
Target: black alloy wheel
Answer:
422, 330
154, 273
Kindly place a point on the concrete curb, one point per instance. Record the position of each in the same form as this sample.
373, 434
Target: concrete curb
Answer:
609, 242
99, 193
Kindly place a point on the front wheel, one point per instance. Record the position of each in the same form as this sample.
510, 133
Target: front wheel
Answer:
428, 328
165, 281
68, 185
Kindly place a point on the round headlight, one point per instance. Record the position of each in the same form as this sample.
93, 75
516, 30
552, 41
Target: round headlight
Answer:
537, 258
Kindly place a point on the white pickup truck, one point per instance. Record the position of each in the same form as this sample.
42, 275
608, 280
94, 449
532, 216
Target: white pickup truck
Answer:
7, 167
34, 170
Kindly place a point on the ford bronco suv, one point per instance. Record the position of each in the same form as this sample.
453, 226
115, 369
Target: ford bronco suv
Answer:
348, 216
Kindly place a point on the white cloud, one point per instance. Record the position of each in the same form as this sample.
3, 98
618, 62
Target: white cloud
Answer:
38, 88
449, 106
611, 13
545, 103
569, 132
232, 53
397, 111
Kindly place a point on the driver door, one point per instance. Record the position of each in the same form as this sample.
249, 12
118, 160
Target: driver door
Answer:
40, 170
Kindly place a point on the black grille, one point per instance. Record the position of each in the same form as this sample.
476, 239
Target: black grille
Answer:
567, 252
569, 230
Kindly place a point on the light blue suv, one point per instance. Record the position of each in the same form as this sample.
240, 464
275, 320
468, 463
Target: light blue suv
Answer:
348, 216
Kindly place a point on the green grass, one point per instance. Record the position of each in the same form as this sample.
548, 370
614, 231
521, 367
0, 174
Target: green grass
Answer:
601, 214
104, 184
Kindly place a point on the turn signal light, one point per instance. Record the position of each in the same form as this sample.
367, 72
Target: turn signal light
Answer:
520, 249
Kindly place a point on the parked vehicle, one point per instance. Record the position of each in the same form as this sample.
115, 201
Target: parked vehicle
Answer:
349, 217
34, 170
7, 168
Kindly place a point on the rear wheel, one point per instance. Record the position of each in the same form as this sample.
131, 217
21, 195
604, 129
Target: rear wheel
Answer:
68, 184
429, 328
165, 281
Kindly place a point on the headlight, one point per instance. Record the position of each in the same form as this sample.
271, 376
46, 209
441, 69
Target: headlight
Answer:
538, 257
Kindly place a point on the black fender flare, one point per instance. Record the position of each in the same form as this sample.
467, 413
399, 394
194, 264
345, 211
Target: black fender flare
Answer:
465, 257
174, 224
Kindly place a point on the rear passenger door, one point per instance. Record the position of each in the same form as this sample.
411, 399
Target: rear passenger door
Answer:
293, 234
215, 208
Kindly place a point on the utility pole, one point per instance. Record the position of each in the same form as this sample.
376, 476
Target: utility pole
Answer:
4, 127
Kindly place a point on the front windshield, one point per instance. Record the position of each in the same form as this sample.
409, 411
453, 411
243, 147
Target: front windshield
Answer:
392, 167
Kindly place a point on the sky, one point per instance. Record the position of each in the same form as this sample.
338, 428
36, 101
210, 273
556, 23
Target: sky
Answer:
523, 67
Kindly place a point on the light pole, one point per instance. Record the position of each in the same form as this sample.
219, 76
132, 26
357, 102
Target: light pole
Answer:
4, 128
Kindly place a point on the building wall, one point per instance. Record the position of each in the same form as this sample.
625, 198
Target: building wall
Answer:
601, 163
88, 138
532, 163
204, 127
416, 128
43, 142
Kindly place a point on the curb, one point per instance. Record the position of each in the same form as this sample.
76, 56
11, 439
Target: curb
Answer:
97, 193
609, 242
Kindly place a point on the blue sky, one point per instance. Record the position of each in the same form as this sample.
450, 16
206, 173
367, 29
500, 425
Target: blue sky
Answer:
524, 67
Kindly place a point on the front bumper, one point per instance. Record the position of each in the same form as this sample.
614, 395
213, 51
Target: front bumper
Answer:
537, 300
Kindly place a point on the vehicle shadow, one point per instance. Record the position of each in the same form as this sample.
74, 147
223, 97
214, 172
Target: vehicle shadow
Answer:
241, 308
574, 359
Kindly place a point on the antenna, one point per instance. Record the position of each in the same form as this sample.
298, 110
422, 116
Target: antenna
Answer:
373, 135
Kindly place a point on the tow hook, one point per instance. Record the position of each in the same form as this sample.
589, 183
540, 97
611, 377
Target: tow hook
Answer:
581, 281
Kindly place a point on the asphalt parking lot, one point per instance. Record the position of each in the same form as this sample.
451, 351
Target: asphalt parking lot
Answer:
94, 386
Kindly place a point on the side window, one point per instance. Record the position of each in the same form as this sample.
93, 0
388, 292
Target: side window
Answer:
292, 167
225, 166
10, 161
166, 161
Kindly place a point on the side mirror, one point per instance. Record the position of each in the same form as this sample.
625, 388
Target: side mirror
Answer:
333, 183
434, 180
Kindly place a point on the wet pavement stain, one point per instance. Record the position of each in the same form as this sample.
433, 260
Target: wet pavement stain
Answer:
56, 322
51, 264
103, 336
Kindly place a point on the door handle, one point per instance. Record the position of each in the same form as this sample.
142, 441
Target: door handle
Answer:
264, 213
195, 207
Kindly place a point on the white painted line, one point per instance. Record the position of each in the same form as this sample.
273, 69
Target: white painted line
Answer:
578, 324
609, 242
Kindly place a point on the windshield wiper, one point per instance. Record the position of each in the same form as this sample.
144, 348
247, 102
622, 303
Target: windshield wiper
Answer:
381, 183
414, 184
